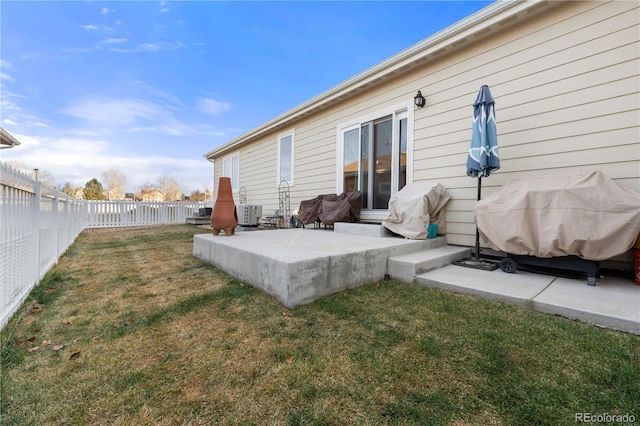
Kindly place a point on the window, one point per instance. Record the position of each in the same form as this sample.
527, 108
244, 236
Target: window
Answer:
374, 157
285, 158
231, 169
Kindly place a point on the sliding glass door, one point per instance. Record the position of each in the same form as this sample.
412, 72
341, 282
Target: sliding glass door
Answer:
375, 159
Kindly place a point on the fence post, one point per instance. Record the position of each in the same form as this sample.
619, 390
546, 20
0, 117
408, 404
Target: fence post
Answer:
36, 214
56, 221
67, 223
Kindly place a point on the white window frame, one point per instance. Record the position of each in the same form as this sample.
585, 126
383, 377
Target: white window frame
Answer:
398, 111
228, 170
292, 134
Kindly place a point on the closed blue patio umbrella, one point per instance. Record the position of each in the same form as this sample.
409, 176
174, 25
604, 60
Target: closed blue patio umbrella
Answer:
483, 158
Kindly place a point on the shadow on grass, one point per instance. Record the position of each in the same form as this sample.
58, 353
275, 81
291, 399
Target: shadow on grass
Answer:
233, 292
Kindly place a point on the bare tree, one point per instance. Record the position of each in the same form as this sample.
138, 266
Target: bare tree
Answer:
168, 186
115, 182
197, 195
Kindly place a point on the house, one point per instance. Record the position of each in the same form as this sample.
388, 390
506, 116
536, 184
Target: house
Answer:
565, 78
151, 195
114, 194
78, 193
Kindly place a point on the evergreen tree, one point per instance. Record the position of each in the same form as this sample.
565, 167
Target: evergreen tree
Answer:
93, 190
68, 189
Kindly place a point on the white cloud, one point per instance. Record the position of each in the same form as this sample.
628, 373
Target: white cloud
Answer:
32, 56
10, 122
149, 47
115, 112
161, 45
114, 40
77, 160
211, 106
4, 65
6, 104
152, 92
137, 115
101, 28
106, 10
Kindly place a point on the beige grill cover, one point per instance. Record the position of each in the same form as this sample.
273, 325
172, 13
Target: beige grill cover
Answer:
589, 216
414, 207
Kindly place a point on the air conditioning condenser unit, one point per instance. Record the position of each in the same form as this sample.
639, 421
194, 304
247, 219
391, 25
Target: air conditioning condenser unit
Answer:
249, 214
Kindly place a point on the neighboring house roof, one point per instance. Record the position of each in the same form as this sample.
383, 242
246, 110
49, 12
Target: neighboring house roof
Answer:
7, 139
492, 18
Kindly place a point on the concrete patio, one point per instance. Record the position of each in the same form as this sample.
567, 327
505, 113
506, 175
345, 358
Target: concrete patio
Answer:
297, 266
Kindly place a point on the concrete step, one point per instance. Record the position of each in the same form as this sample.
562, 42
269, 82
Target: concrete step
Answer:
405, 267
362, 228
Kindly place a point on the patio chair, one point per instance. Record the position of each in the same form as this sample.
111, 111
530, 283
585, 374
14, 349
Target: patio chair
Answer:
331, 208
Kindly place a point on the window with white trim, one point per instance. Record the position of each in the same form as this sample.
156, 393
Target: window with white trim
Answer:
231, 169
285, 157
375, 154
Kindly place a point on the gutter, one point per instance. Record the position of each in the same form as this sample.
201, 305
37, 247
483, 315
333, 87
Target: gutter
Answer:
7, 140
501, 13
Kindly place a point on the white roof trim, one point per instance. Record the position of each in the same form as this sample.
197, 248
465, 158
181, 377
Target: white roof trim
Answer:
448, 39
7, 139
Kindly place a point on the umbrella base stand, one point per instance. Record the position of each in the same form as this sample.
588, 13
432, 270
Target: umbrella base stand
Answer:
477, 263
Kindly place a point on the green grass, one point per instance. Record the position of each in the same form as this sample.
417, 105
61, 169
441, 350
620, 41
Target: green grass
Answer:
162, 338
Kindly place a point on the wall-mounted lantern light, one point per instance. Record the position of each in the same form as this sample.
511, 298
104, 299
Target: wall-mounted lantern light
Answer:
419, 100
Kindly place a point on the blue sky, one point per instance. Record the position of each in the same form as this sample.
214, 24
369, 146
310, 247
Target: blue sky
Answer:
148, 87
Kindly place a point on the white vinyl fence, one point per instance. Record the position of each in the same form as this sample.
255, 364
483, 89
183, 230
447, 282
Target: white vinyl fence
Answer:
108, 214
39, 223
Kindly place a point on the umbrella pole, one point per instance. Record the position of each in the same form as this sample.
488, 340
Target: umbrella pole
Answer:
477, 256
474, 261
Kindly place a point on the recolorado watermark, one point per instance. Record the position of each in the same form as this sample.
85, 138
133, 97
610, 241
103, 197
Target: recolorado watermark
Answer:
627, 418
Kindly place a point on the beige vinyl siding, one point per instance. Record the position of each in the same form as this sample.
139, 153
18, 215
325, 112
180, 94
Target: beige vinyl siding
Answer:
314, 167
566, 90
567, 87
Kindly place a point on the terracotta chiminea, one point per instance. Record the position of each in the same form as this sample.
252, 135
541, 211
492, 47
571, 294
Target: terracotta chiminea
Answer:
224, 216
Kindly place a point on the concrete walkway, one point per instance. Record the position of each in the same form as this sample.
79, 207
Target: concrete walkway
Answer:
612, 303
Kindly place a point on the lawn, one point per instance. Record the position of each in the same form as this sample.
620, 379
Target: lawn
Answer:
129, 328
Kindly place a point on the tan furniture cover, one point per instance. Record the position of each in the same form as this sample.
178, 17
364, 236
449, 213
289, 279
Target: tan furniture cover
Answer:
414, 207
587, 215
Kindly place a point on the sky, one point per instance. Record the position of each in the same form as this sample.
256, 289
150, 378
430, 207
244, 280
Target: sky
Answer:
147, 88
